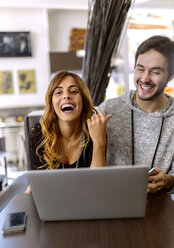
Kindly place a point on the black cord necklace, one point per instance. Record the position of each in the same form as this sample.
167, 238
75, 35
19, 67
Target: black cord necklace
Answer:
132, 127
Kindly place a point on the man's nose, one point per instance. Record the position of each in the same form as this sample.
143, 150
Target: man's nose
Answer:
146, 77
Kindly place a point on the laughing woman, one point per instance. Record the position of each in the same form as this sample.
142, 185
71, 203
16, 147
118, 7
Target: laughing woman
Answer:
68, 135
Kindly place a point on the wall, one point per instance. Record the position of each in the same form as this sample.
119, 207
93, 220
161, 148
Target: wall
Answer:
46, 26
60, 24
49, 4
35, 21
50, 29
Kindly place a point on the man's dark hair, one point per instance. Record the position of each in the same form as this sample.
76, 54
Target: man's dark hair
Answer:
161, 44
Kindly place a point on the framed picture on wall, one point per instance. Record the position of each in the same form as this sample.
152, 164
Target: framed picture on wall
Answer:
15, 44
6, 83
26, 81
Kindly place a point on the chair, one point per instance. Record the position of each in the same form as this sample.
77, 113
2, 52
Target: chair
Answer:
29, 121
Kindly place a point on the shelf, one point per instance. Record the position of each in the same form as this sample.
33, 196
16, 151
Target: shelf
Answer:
65, 61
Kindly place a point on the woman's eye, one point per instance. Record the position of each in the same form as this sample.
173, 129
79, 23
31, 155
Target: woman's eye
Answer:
74, 91
58, 92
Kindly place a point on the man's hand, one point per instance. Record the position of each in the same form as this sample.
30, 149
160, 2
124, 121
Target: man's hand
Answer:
160, 181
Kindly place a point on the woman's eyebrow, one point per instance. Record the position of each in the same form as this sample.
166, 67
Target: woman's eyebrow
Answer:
59, 87
71, 86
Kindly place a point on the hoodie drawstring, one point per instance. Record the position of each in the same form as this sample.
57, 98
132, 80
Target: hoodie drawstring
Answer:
132, 127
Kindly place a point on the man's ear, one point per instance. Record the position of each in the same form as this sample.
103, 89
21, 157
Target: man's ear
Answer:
171, 78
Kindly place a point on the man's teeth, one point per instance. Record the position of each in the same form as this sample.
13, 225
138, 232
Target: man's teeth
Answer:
146, 87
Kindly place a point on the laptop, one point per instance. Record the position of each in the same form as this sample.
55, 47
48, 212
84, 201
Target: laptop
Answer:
84, 193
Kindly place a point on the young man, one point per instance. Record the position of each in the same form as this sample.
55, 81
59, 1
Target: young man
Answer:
141, 130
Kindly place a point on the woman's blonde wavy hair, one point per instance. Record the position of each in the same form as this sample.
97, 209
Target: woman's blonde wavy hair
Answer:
49, 121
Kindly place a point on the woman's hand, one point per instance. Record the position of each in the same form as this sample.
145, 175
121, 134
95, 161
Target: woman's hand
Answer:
28, 190
97, 130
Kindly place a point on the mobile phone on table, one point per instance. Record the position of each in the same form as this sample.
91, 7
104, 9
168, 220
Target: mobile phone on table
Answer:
14, 222
152, 172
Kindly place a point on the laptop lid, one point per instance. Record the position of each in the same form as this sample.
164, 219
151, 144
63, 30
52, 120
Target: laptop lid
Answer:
84, 193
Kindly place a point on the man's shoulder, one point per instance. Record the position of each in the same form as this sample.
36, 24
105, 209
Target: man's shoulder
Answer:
120, 101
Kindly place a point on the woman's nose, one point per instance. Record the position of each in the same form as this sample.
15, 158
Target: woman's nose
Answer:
66, 96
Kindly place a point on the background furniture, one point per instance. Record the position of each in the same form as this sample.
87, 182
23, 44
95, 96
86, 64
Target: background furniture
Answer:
65, 61
20, 184
9, 192
155, 230
3, 154
14, 137
29, 120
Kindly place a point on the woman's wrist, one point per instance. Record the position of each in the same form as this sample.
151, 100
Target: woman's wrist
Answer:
99, 144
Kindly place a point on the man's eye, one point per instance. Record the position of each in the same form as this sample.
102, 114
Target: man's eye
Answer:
156, 72
140, 69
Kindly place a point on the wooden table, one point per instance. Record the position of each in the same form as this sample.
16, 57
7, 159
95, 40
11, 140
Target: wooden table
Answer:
156, 230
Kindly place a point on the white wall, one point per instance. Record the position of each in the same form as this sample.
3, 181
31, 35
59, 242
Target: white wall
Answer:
60, 24
50, 4
46, 26
35, 21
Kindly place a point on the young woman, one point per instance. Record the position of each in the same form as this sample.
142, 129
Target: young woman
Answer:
69, 135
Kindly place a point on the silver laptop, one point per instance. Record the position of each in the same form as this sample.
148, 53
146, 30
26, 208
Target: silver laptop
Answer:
84, 193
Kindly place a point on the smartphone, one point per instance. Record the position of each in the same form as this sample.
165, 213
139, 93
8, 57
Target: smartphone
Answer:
152, 172
14, 222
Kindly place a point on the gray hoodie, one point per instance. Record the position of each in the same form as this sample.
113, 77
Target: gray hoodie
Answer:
137, 140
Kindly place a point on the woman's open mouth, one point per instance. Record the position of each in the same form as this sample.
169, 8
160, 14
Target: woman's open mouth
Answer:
67, 107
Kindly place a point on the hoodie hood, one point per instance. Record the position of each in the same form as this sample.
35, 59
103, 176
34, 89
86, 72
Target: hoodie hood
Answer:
168, 110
